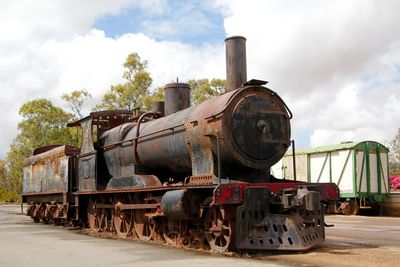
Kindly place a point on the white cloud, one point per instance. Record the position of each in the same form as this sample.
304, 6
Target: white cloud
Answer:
95, 61
183, 19
335, 62
67, 54
37, 21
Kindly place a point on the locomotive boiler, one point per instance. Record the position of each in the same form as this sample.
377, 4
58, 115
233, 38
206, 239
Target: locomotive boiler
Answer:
196, 176
238, 135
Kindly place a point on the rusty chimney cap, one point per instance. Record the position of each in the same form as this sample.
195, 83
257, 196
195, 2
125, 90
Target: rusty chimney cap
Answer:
177, 85
235, 37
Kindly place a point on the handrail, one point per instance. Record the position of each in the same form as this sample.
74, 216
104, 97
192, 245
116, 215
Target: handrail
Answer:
153, 114
139, 137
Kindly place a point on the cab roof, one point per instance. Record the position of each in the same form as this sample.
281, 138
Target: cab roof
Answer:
106, 115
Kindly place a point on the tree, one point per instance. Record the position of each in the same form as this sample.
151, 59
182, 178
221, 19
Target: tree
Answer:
155, 96
5, 193
394, 154
134, 92
42, 124
2, 174
19, 151
76, 99
158, 94
204, 89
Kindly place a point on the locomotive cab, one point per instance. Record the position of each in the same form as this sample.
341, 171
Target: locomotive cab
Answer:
92, 172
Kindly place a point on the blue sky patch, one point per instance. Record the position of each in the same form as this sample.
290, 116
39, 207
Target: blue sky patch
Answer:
194, 22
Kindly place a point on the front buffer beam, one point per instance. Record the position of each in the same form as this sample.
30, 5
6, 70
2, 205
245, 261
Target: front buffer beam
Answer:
260, 226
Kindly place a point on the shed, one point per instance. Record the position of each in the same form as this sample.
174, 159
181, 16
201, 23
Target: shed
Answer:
360, 169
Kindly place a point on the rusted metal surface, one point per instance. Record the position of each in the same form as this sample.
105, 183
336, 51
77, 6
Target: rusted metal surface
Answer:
235, 121
50, 152
122, 218
48, 171
107, 119
181, 204
252, 125
163, 188
118, 162
160, 147
151, 115
47, 212
236, 73
200, 180
138, 206
89, 165
87, 158
134, 181
177, 97
174, 232
219, 230
121, 206
259, 227
233, 193
60, 197
43, 149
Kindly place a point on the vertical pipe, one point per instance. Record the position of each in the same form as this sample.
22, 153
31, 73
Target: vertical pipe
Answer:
158, 106
236, 73
294, 161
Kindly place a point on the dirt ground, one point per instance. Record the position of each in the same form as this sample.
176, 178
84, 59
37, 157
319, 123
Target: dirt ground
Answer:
354, 241
339, 253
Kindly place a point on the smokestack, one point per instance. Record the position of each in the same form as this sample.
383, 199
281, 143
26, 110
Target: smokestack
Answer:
236, 73
177, 97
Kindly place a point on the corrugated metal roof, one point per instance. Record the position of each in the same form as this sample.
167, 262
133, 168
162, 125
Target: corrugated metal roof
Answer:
341, 146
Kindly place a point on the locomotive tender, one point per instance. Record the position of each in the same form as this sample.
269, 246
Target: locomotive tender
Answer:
197, 176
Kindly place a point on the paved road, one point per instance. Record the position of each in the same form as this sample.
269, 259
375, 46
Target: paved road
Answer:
23, 243
354, 241
374, 231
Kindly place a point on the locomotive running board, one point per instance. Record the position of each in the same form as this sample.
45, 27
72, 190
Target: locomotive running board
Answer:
258, 229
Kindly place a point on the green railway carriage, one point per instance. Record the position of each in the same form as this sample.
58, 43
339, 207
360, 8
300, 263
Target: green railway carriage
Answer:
360, 169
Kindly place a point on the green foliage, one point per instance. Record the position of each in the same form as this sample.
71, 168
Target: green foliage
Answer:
134, 92
5, 195
8, 196
2, 170
155, 96
19, 151
158, 94
394, 168
3, 176
42, 124
394, 154
75, 99
204, 89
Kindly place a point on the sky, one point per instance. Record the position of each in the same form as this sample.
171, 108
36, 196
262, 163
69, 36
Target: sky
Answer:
336, 63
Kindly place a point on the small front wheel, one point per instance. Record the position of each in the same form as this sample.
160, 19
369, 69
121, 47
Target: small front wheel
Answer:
218, 230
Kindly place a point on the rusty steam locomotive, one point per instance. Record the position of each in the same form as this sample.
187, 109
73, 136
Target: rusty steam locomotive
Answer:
189, 176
